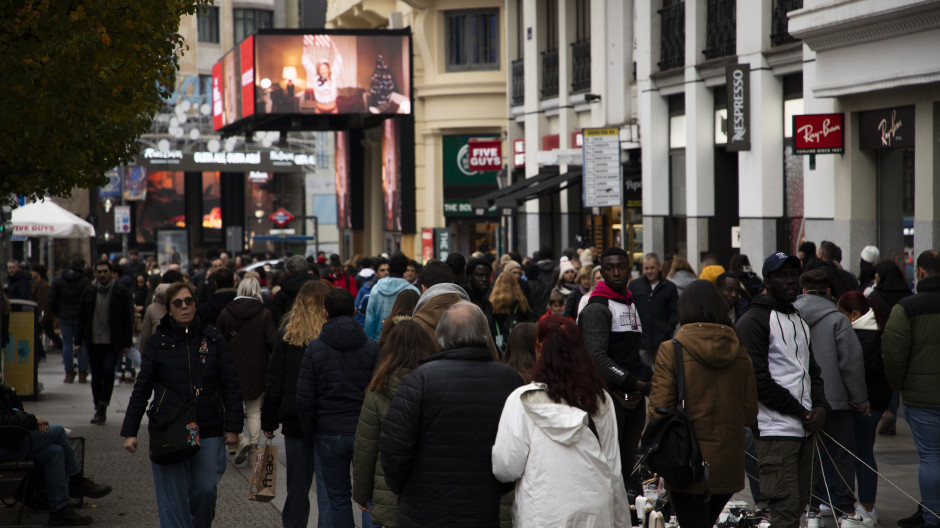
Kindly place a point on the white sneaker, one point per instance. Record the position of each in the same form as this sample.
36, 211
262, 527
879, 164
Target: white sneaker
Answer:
855, 521
865, 514
814, 520
825, 509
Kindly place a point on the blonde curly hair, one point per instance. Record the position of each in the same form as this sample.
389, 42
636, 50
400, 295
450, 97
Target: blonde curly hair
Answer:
303, 322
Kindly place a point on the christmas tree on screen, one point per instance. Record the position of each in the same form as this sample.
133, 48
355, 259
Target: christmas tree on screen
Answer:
382, 85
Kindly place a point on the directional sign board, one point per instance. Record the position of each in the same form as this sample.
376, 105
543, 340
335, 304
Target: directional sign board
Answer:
281, 217
601, 167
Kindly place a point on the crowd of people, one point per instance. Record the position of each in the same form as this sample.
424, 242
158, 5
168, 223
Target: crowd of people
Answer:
509, 390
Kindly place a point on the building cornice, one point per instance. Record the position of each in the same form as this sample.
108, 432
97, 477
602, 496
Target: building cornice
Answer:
840, 24
884, 84
461, 89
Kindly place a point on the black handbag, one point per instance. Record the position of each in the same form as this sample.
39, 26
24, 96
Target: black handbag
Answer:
174, 432
669, 445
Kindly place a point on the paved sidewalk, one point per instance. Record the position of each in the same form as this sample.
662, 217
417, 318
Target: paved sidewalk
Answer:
133, 503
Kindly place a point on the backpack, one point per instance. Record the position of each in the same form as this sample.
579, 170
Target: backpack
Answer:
669, 444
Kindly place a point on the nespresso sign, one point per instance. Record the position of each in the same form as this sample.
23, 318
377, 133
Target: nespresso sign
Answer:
888, 128
819, 134
739, 113
270, 161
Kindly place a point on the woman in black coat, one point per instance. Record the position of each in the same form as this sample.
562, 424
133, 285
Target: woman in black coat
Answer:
303, 324
186, 358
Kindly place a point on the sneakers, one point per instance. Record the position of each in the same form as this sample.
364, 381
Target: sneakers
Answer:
89, 488
814, 520
855, 521
825, 509
914, 520
67, 516
100, 417
860, 510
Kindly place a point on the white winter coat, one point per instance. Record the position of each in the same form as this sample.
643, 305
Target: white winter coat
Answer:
565, 475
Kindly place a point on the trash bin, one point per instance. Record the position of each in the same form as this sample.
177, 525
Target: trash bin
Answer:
20, 365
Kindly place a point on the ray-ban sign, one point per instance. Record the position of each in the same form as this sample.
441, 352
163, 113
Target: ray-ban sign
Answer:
819, 134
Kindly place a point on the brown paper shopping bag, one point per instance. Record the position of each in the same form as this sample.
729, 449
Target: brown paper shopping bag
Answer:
263, 486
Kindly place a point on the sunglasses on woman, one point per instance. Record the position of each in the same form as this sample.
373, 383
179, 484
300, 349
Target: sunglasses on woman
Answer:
188, 301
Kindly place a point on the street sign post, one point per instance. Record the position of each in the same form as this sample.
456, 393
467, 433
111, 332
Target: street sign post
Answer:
601, 161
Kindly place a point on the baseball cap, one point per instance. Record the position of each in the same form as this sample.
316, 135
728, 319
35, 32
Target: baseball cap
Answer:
776, 261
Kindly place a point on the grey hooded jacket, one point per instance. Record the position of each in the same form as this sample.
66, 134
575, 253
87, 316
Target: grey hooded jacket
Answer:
836, 350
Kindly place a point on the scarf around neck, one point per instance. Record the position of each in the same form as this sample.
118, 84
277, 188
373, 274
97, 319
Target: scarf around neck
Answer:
603, 290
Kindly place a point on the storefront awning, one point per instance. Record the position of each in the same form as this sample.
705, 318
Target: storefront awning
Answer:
553, 183
488, 199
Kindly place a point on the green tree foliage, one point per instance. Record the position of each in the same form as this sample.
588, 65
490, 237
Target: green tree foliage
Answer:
81, 80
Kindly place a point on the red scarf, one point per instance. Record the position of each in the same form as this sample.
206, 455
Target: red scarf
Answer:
603, 290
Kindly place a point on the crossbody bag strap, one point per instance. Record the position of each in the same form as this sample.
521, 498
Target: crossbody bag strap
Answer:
680, 374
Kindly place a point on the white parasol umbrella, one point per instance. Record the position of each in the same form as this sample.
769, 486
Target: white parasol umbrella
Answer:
48, 219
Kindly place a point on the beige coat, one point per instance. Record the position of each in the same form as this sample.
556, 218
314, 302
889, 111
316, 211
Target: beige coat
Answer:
720, 397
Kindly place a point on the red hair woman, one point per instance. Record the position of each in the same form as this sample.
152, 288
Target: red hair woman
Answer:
561, 429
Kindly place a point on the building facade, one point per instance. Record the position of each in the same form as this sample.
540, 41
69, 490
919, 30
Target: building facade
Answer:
706, 191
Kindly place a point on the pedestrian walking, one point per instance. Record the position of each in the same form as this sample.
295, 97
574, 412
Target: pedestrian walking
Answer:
64, 301
405, 345
510, 307
303, 324
248, 328
437, 437
105, 327
188, 358
561, 428
383, 294
720, 399
655, 299
336, 369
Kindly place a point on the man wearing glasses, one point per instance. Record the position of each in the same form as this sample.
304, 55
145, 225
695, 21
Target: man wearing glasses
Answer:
105, 326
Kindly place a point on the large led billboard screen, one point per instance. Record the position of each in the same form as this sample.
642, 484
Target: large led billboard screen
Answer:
335, 73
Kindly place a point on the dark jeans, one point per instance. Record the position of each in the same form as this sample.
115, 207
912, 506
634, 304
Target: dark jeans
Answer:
102, 359
53, 450
838, 463
301, 463
692, 512
49, 328
630, 423
334, 457
865, 432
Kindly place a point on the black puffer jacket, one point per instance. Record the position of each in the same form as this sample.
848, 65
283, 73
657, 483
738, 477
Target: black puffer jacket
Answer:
165, 374
19, 286
438, 436
279, 405
879, 390
66, 293
284, 299
657, 310
335, 372
248, 328
12, 414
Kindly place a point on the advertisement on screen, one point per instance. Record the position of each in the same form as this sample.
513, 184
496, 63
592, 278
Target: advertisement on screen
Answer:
391, 174
332, 74
343, 198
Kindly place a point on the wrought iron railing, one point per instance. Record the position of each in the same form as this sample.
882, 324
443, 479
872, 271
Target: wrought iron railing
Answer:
720, 38
672, 41
518, 81
550, 73
581, 66
778, 21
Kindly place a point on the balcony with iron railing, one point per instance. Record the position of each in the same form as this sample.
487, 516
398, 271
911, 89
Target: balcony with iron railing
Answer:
549, 74
518, 82
779, 35
581, 66
720, 38
672, 40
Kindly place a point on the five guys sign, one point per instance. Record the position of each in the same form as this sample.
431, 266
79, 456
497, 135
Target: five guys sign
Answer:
485, 154
818, 134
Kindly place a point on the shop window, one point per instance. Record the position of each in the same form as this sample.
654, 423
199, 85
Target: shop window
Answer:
164, 207
247, 21
211, 208
207, 29
472, 38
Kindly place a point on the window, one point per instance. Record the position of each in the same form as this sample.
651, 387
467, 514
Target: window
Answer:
208, 24
205, 88
472, 40
247, 21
